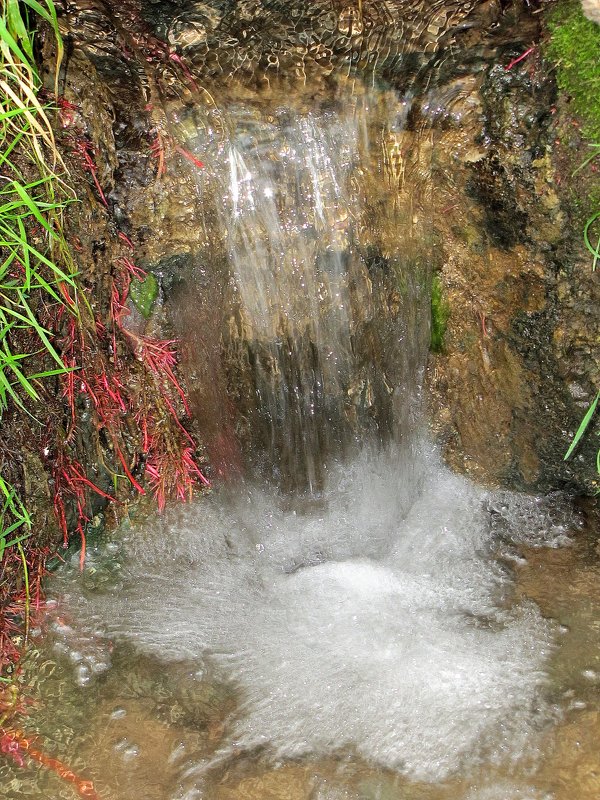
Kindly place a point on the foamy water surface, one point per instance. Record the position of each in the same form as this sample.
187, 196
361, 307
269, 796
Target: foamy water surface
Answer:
377, 619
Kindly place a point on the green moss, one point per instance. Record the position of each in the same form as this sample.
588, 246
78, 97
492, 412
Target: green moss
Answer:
575, 48
440, 312
143, 294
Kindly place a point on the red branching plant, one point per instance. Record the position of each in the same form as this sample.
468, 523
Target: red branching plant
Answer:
10, 631
170, 466
159, 356
83, 148
19, 608
191, 158
132, 269
18, 747
101, 381
114, 390
157, 151
71, 487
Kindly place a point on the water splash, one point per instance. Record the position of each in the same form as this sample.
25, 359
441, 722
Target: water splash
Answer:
374, 619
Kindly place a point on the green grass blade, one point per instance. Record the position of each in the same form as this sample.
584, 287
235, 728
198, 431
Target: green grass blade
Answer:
41, 332
8, 44
33, 207
590, 158
586, 234
583, 426
16, 25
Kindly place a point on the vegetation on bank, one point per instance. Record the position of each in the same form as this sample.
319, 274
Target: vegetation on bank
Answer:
101, 402
35, 269
574, 47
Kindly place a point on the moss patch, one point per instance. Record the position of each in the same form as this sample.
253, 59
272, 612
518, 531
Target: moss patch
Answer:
575, 48
440, 312
143, 294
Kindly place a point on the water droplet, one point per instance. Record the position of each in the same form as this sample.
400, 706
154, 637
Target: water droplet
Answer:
82, 675
591, 675
131, 752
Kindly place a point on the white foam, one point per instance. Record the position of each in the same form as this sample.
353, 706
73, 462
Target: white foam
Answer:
375, 619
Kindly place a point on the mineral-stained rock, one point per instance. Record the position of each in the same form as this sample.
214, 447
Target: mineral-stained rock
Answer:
473, 163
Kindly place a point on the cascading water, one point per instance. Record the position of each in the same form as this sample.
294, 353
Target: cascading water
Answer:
377, 623
365, 612
342, 618
301, 205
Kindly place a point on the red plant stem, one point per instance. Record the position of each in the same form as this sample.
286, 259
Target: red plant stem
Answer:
130, 477
132, 269
76, 475
171, 408
92, 170
83, 547
84, 788
519, 58
126, 239
178, 60
158, 152
193, 467
195, 161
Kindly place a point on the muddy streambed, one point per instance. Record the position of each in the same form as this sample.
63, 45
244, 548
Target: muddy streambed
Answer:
402, 635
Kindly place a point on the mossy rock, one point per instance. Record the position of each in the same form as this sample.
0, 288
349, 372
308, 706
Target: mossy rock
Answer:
440, 313
575, 48
143, 294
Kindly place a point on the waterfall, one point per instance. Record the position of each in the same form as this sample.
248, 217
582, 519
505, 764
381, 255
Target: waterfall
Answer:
366, 611
330, 286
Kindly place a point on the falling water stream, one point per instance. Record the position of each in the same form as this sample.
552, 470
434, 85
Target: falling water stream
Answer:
349, 620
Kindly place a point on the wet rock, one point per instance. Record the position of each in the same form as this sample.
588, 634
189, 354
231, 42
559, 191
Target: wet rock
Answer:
520, 297
591, 8
471, 165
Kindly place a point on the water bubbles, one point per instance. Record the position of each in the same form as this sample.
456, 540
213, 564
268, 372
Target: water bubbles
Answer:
82, 674
591, 675
177, 754
126, 749
370, 620
577, 705
507, 791
130, 752
86, 647
75, 656
120, 745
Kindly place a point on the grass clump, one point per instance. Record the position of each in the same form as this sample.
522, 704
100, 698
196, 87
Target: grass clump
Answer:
440, 313
35, 269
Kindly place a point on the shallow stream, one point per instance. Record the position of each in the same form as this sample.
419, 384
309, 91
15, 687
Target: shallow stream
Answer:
358, 623
403, 635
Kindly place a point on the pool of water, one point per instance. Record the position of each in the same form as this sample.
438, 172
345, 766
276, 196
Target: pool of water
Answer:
403, 635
